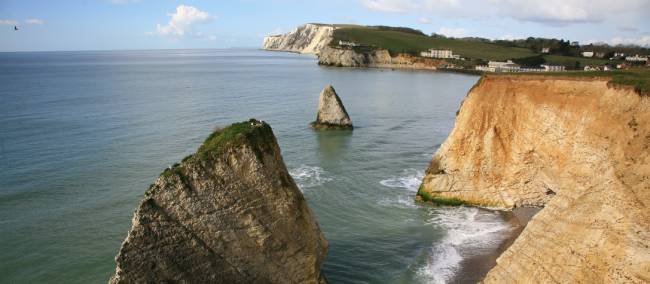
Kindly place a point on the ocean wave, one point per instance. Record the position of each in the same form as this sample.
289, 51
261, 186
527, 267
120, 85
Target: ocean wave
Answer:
309, 176
410, 180
467, 230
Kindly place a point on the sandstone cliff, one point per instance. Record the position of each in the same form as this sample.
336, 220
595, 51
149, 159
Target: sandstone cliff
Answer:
331, 112
230, 213
308, 39
376, 58
576, 146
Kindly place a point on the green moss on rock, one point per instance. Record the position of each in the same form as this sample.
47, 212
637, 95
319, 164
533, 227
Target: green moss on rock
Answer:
254, 133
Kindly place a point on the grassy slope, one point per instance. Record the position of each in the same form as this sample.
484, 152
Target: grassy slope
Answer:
401, 42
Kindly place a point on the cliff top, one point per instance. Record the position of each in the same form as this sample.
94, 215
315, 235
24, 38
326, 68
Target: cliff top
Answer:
639, 79
257, 134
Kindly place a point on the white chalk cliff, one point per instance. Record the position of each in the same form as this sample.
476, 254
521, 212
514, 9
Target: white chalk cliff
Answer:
306, 39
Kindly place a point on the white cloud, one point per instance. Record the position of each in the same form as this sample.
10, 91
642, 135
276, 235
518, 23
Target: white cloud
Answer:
642, 41
8, 22
550, 12
452, 32
182, 22
424, 20
34, 21
393, 6
509, 37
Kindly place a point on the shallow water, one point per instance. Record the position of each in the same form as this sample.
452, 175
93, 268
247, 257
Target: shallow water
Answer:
82, 134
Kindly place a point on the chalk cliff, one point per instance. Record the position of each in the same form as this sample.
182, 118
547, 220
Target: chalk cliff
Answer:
580, 148
375, 58
316, 39
308, 39
230, 213
331, 112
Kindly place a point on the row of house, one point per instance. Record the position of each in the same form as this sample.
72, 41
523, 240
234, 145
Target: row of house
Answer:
509, 66
440, 53
637, 58
348, 43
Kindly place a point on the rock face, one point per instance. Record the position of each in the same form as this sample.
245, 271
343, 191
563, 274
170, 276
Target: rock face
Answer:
230, 213
331, 112
316, 38
308, 39
577, 146
378, 58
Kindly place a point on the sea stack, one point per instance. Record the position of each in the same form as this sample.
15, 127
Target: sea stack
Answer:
331, 112
230, 213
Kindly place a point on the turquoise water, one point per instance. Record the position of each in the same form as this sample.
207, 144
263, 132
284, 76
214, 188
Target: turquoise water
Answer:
82, 134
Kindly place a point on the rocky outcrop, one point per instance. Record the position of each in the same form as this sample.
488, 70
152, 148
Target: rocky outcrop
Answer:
308, 39
331, 112
316, 39
376, 58
230, 213
577, 146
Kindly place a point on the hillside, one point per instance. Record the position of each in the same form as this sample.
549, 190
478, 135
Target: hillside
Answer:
396, 41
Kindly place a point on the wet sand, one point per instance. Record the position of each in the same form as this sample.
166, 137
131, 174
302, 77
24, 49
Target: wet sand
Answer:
473, 269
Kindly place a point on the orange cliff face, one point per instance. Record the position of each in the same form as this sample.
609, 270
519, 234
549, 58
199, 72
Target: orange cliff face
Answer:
577, 147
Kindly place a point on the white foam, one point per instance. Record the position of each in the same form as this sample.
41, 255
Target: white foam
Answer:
467, 230
410, 180
309, 176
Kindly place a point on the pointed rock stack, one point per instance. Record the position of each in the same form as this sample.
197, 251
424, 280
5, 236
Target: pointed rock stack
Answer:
331, 112
230, 213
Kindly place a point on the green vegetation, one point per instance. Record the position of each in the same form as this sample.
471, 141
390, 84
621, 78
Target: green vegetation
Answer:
440, 200
477, 50
639, 79
258, 134
570, 60
402, 42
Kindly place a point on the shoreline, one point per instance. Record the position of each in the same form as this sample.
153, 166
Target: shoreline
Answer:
474, 269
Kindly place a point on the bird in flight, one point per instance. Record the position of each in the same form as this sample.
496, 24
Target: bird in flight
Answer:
15, 28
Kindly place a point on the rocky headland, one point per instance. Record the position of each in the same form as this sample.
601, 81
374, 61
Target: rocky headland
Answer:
230, 213
578, 147
317, 39
331, 113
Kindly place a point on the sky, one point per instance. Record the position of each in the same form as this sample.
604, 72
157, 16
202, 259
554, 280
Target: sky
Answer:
46, 25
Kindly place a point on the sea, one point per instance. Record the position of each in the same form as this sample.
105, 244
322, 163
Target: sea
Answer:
82, 135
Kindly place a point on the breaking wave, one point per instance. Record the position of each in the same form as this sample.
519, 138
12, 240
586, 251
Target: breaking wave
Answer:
309, 176
468, 231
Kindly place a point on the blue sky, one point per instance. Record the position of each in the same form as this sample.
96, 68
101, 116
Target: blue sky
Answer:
162, 24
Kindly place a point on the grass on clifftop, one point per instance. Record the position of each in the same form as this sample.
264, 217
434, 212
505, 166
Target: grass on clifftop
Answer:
256, 132
639, 79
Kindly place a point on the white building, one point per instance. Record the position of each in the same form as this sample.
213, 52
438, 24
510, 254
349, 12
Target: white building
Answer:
438, 53
552, 68
587, 54
348, 43
637, 58
546, 50
498, 66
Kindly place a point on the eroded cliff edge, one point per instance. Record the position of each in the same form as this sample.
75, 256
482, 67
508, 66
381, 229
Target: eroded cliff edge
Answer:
230, 213
580, 148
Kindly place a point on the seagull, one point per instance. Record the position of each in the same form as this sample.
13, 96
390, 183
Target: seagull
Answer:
15, 28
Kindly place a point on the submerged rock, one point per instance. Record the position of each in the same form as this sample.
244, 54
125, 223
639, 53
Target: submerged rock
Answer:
230, 213
331, 112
